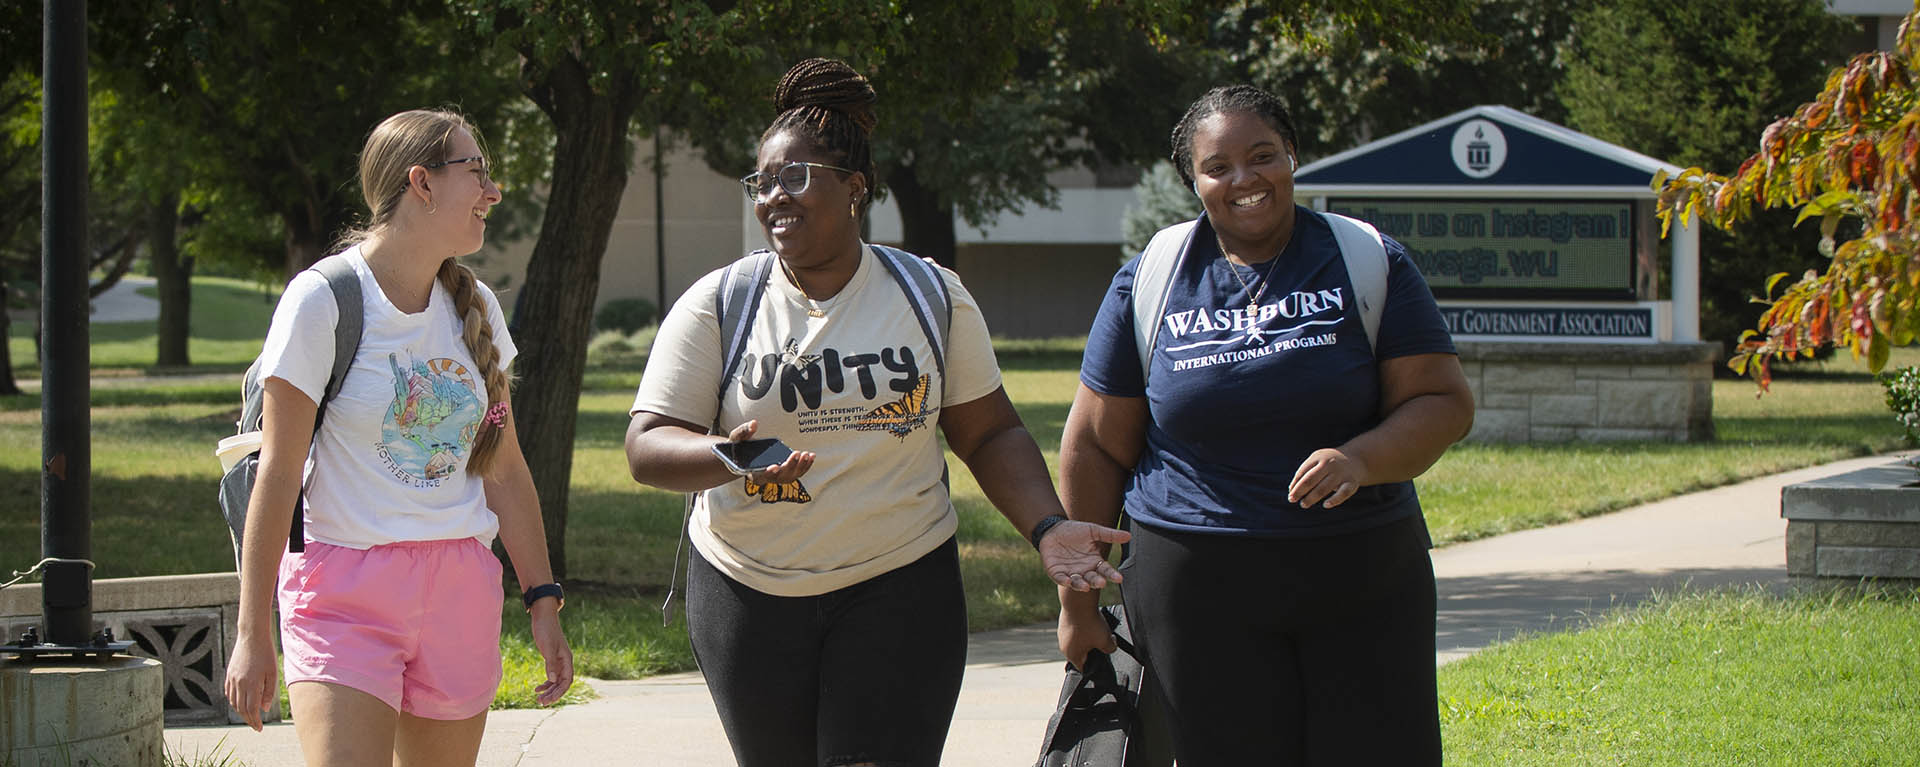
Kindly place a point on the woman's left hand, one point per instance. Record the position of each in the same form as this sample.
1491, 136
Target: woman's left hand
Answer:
1074, 554
1327, 475
552, 644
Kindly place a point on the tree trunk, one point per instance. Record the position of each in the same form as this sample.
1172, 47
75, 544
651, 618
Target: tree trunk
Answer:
306, 234
172, 277
590, 153
926, 221
8, 386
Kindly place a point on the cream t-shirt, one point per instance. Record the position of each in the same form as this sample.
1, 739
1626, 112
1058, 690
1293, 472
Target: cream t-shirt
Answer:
858, 387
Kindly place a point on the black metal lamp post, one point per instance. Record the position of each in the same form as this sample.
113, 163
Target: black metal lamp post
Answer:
66, 523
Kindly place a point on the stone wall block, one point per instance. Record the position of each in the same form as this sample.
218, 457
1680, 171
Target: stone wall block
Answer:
1522, 377
1499, 425
1562, 410
1802, 537
1600, 371
1494, 401
1868, 562
1644, 404
1553, 433
1889, 534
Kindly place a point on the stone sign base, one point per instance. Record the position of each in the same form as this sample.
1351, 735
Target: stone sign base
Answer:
1600, 392
1857, 526
187, 622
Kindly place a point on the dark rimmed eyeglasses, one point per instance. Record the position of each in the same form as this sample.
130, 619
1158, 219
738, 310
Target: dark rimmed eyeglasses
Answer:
485, 172
793, 177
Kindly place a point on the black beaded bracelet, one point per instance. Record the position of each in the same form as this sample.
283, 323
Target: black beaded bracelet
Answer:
1040, 529
538, 593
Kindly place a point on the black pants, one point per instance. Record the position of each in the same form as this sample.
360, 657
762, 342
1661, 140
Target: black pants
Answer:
1293, 651
868, 674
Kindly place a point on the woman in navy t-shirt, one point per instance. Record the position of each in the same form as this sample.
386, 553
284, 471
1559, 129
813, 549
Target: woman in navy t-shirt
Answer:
1278, 583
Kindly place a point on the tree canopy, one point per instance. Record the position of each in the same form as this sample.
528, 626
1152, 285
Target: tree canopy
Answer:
1691, 83
1850, 157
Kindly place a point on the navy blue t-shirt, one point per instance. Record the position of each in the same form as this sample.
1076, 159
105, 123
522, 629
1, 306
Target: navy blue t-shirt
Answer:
1238, 402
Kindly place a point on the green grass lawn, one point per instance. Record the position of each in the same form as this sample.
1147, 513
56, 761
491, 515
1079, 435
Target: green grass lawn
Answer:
228, 319
1728, 678
154, 480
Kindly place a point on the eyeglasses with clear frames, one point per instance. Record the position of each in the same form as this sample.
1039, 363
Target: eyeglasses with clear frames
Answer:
794, 177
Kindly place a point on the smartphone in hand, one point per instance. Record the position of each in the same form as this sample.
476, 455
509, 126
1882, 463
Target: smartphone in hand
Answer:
752, 455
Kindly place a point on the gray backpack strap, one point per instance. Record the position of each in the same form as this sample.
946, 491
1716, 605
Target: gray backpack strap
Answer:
1151, 278
346, 345
346, 332
1366, 258
927, 293
735, 302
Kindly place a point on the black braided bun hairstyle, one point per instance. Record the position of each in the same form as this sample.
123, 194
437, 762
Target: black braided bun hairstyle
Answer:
831, 105
1228, 99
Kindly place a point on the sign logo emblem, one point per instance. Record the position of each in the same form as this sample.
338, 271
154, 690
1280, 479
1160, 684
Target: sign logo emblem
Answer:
1479, 148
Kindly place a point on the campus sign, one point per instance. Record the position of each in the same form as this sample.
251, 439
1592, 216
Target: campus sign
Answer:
1500, 248
1524, 230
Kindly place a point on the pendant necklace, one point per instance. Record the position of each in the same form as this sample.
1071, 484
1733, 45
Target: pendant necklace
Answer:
814, 308
1253, 304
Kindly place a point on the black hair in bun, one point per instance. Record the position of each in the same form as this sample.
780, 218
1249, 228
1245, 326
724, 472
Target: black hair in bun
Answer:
832, 106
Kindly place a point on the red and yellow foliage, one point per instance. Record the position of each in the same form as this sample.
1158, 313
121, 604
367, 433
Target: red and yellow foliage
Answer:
1850, 157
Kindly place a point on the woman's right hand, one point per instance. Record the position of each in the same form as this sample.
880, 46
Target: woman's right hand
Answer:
253, 677
789, 470
1081, 631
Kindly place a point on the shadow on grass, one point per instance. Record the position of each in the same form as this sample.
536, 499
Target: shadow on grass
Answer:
1476, 612
150, 525
1854, 431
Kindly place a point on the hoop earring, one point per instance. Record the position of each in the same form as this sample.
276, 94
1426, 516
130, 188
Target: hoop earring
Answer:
432, 208
853, 210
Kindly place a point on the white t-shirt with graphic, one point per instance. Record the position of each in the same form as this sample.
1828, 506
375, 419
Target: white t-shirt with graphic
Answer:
858, 387
389, 461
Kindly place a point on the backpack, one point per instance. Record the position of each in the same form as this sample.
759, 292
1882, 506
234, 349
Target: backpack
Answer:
1360, 248
743, 282
1110, 713
240, 454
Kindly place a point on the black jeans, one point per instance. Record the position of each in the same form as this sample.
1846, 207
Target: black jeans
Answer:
1314, 651
868, 674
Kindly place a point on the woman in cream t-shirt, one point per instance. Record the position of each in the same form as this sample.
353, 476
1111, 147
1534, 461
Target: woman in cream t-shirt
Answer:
823, 597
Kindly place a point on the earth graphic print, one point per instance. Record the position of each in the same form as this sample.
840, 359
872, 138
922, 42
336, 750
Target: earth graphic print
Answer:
433, 419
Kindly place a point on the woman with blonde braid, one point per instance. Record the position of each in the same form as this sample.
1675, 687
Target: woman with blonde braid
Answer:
390, 616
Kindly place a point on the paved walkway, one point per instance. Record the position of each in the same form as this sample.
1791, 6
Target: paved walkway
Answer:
1537, 580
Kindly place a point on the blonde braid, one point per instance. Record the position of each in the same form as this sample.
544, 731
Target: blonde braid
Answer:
477, 331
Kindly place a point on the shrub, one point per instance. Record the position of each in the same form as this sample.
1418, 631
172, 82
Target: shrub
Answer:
625, 315
1903, 398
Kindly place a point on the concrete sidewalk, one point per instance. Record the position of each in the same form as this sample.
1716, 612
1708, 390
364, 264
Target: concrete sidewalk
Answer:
1489, 590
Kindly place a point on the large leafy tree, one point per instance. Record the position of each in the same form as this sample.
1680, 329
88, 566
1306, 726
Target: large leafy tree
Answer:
114, 229
597, 72
1691, 83
1346, 89
284, 92
1850, 158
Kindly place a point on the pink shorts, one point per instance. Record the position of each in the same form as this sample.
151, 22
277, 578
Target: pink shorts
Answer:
415, 624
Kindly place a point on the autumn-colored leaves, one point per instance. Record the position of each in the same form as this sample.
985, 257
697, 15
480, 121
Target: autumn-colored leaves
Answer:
1850, 157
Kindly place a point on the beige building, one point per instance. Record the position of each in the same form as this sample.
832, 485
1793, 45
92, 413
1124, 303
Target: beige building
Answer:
1037, 273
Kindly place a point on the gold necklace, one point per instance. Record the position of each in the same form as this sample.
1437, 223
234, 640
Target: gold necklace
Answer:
1253, 304
814, 309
